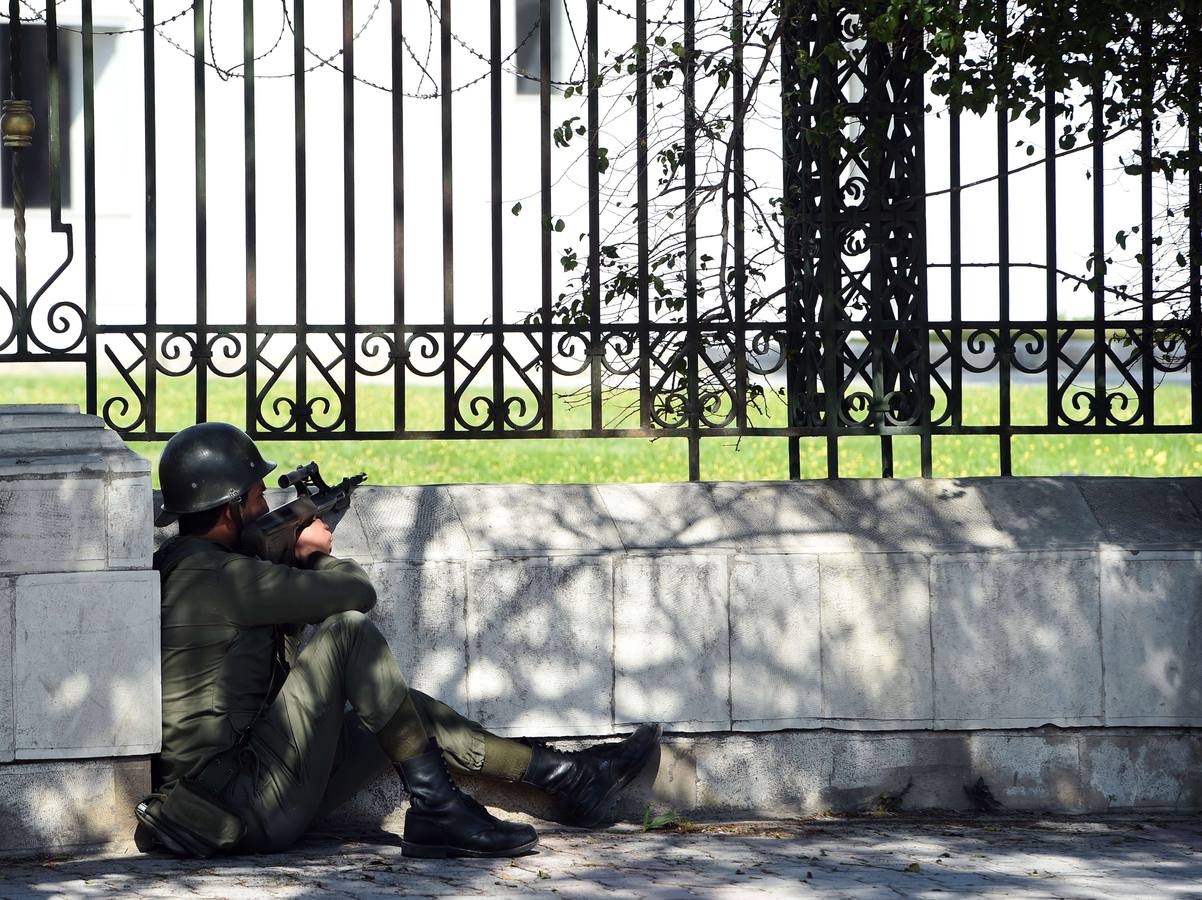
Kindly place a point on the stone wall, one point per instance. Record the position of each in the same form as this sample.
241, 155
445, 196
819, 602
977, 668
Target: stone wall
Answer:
79, 630
868, 605
807, 645
812, 645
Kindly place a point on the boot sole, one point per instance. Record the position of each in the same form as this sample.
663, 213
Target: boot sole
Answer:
597, 813
445, 851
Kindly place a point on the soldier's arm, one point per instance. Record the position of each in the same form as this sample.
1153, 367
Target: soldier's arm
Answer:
266, 593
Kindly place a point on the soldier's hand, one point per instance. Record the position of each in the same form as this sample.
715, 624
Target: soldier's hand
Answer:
315, 538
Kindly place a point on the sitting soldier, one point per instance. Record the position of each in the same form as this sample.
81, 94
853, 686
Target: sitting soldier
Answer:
273, 746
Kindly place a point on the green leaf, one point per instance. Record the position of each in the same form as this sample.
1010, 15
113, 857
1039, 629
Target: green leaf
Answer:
517, 208
559, 225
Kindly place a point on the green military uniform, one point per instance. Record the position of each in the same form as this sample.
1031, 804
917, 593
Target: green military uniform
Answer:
222, 613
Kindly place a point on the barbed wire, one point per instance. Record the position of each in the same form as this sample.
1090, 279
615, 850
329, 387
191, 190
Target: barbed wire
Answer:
512, 70
39, 16
225, 74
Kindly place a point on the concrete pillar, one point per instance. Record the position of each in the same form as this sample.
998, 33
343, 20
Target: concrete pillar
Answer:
80, 696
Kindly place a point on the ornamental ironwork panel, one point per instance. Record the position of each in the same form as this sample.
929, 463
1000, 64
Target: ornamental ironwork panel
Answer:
854, 209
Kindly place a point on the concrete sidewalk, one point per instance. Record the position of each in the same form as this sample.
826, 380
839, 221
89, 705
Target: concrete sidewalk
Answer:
887, 857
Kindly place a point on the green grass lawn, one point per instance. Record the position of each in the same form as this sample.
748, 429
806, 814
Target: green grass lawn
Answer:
637, 459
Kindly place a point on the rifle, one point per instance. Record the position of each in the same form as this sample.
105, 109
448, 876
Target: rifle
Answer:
273, 535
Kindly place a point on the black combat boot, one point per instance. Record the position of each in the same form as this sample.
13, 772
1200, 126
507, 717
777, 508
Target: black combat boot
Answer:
585, 781
443, 821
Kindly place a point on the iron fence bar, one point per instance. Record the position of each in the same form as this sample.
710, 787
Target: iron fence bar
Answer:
151, 140
795, 208
1147, 345
956, 273
54, 136
876, 108
1194, 121
348, 206
740, 285
448, 220
662, 328
596, 351
690, 230
544, 115
828, 254
398, 221
1099, 337
302, 212
23, 324
202, 251
21, 314
915, 107
1053, 311
682, 434
645, 396
248, 126
793, 117
498, 306
1003, 346
89, 194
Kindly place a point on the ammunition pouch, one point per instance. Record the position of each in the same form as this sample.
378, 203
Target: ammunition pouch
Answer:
190, 819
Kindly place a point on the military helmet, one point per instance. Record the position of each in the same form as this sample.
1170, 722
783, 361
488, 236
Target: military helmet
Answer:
208, 465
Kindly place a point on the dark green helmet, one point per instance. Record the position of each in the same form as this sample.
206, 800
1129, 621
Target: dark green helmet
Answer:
208, 465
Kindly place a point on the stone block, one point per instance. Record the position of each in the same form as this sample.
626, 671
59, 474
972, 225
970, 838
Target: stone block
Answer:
876, 641
534, 519
130, 527
1140, 770
667, 516
414, 522
672, 642
1034, 771
49, 524
86, 665
61, 806
769, 774
932, 769
7, 603
45, 416
1015, 640
873, 515
1152, 637
540, 639
17, 409
674, 776
50, 444
775, 656
1143, 511
420, 610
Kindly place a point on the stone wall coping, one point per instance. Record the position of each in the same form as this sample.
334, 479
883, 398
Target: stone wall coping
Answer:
931, 516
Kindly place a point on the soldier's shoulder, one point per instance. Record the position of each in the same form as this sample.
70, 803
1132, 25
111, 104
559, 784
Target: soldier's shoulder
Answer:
190, 552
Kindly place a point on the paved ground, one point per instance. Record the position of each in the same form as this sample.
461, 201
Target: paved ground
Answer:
1125, 858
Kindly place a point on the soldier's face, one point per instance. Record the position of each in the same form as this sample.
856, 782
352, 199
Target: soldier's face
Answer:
255, 505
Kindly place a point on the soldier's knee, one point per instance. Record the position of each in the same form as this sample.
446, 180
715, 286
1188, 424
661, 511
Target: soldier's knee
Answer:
352, 621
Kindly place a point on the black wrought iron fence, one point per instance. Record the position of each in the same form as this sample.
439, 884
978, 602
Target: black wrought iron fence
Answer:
847, 340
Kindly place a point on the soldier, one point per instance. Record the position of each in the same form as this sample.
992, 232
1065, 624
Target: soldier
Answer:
254, 750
